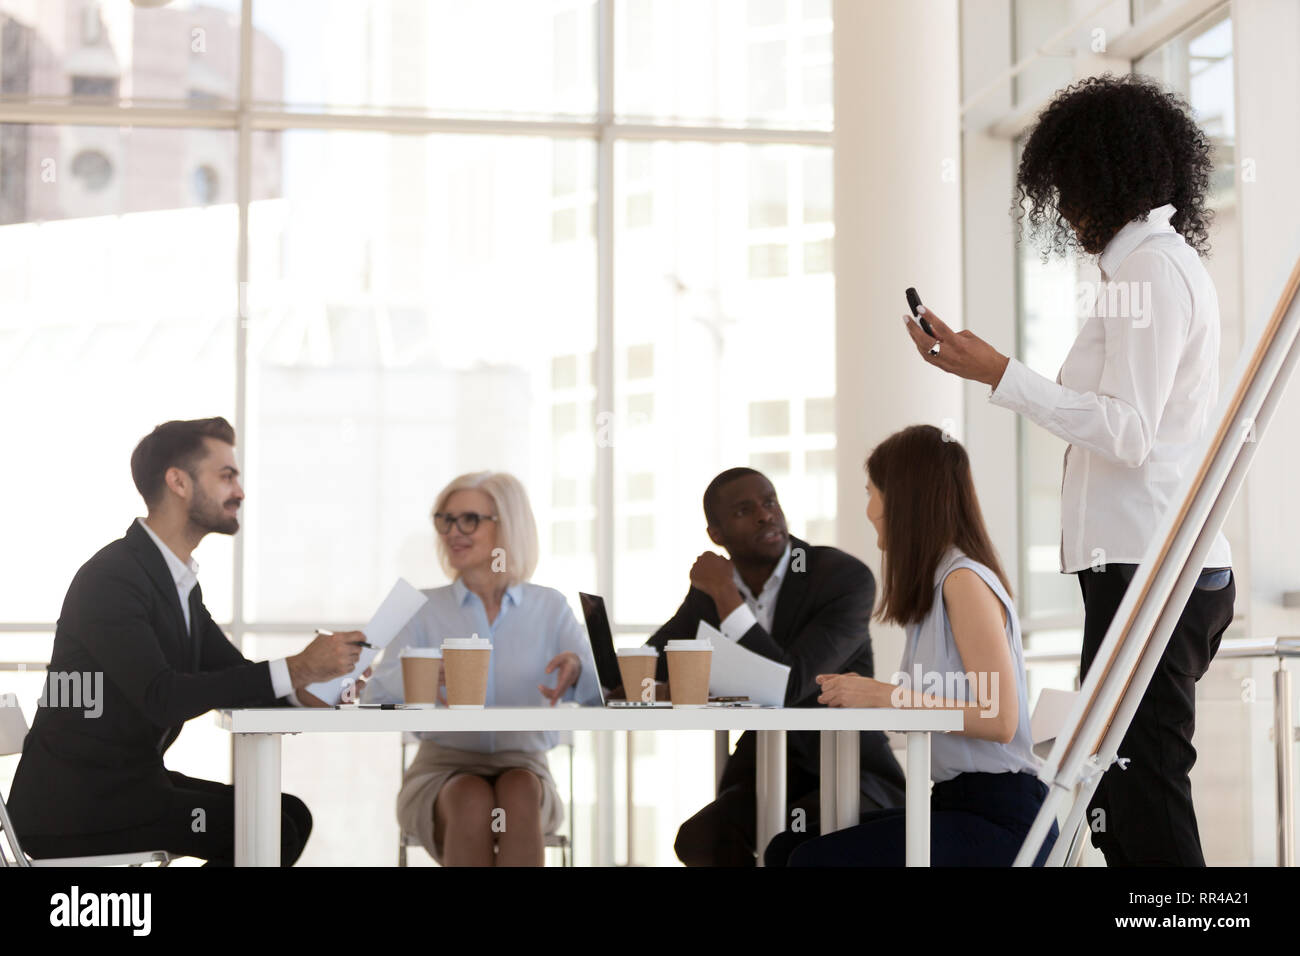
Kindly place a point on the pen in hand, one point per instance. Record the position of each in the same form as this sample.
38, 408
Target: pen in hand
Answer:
320, 633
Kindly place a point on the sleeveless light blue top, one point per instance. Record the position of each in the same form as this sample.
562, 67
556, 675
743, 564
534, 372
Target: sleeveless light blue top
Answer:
931, 663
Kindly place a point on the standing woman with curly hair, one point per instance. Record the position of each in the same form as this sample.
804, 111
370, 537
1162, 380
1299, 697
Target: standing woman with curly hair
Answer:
1116, 167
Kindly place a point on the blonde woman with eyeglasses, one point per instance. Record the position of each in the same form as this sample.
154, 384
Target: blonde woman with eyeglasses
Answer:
487, 544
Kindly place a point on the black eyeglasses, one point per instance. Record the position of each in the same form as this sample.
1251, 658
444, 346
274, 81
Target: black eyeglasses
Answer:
466, 522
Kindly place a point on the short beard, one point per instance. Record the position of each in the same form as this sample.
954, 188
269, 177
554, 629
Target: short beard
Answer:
208, 517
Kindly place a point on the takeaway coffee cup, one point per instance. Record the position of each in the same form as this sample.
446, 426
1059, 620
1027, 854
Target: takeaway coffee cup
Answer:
465, 662
420, 667
637, 665
688, 672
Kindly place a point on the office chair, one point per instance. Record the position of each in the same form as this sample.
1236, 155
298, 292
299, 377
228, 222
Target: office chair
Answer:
13, 731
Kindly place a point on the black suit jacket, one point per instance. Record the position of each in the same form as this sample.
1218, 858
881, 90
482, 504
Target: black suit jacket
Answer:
122, 618
819, 626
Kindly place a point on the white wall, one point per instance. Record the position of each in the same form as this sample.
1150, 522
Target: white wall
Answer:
897, 224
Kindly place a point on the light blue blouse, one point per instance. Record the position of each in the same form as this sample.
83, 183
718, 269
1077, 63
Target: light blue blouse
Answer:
932, 663
534, 624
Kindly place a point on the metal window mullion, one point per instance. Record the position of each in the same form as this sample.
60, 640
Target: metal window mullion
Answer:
243, 190
605, 303
606, 427
260, 119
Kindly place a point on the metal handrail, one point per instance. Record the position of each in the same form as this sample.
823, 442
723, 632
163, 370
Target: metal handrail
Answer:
1285, 733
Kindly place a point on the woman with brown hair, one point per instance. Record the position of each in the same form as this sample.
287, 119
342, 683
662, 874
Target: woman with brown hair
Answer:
942, 581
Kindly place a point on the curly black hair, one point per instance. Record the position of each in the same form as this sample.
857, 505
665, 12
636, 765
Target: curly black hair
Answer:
1108, 150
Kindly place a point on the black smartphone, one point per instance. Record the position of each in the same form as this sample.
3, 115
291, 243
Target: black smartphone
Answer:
914, 303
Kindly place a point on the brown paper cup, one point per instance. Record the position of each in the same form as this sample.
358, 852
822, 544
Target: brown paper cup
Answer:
420, 678
688, 672
637, 665
465, 662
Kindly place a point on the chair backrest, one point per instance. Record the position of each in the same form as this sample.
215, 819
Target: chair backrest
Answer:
13, 725
1049, 716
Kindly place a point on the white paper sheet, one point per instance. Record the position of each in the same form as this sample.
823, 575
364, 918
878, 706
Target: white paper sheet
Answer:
398, 608
737, 672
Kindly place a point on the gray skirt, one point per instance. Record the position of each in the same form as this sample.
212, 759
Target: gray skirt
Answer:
435, 764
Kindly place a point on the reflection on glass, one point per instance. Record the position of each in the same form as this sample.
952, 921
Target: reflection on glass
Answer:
1198, 65
111, 50
412, 317
117, 306
1033, 23
1049, 322
489, 57
749, 62
706, 383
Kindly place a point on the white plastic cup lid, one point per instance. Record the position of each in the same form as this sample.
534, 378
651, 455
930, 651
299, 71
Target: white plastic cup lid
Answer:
467, 644
420, 652
689, 645
642, 651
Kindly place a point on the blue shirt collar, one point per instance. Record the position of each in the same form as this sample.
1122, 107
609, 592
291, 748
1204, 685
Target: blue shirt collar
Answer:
515, 593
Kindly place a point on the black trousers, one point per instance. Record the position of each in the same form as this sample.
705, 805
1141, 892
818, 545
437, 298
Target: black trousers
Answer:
175, 832
1143, 815
724, 833
976, 819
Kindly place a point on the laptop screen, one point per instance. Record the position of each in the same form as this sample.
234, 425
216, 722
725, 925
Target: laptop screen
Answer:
602, 640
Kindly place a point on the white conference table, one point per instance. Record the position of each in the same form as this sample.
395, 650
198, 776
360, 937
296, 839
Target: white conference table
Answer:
257, 733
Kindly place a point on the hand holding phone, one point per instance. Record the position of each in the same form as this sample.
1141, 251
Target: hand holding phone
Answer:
914, 303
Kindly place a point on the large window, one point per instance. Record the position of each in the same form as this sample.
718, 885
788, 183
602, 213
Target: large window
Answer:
425, 283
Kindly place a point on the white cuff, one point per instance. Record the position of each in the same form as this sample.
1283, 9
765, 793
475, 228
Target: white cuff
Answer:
738, 623
281, 684
1025, 391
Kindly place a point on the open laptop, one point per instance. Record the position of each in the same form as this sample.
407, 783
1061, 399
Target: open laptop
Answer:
602, 650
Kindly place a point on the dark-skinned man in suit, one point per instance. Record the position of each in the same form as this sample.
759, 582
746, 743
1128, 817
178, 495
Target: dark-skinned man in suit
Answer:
807, 607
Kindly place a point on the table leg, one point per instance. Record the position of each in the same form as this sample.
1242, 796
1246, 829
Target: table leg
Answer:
917, 823
257, 799
848, 784
770, 774
603, 854
826, 785
721, 754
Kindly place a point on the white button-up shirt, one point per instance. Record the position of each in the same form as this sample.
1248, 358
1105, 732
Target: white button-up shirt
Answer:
1133, 398
186, 576
755, 610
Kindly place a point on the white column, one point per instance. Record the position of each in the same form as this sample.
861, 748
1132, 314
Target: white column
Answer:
897, 224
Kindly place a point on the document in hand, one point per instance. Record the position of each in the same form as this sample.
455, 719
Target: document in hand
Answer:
737, 672
398, 608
